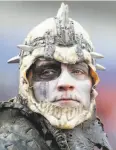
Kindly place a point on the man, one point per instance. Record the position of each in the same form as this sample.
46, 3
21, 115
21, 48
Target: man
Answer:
55, 108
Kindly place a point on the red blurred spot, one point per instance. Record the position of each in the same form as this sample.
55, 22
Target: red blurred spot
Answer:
106, 105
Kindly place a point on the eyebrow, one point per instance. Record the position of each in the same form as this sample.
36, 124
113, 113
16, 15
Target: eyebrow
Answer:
43, 62
79, 64
82, 66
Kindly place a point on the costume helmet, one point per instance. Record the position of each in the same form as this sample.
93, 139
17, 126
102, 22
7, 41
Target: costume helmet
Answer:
64, 40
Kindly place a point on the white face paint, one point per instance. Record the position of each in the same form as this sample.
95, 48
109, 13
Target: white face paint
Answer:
62, 84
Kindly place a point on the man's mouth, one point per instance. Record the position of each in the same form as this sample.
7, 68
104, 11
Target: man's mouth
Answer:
69, 102
66, 100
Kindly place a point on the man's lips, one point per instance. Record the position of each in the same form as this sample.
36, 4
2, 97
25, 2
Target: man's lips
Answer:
66, 100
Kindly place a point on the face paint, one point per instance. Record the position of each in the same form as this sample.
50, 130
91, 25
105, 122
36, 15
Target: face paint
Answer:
74, 86
43, 72
62, 84
46, 70
40, 90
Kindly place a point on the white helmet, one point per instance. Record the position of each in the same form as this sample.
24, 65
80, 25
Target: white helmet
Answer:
64, 40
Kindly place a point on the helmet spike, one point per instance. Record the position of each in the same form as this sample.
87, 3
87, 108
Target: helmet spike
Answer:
63, 14
100, 67
96, 55
14, 59
25, 47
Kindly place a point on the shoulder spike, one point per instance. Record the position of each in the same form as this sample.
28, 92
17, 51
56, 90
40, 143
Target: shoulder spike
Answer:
96, 55
14, 59
25, 47
100, 67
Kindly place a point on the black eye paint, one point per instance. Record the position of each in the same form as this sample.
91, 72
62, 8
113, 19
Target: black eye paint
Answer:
46, 72
43, 71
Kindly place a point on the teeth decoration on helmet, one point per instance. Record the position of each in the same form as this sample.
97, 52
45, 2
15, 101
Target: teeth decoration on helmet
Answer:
63, 117
64, 40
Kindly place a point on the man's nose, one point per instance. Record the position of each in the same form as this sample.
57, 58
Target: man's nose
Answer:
66, 82
65, 87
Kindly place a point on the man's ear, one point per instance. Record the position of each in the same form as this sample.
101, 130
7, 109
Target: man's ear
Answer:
29, 76
94, 93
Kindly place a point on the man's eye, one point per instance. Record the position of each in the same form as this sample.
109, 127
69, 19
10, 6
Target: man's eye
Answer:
78, 72
48, 72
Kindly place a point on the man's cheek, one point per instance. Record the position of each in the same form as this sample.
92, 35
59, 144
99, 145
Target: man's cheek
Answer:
87, 85
52, 86
82, 85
